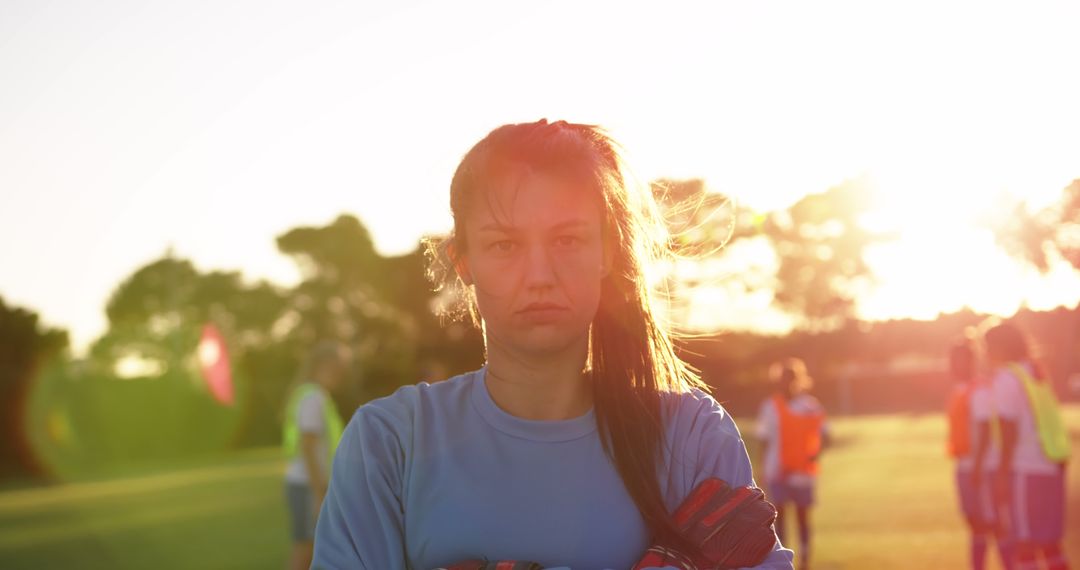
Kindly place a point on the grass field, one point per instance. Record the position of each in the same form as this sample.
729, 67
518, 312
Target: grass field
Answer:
886, 501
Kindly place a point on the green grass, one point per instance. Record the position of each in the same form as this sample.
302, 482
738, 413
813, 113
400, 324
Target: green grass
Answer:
886, 497
886, 500
229, 514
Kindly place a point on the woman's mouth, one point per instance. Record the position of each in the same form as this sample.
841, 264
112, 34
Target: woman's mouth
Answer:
542, 312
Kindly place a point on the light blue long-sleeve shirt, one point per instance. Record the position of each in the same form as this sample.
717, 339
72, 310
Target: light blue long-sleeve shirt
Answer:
438, 473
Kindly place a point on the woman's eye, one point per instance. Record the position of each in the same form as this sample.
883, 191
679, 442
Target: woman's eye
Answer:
566, 241
503, 246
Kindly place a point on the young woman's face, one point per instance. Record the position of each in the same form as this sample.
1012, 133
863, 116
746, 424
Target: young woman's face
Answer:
536, 258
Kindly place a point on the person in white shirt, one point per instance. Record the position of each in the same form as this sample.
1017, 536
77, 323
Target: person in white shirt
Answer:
1026, 480
311, 434
970, 414
792, 429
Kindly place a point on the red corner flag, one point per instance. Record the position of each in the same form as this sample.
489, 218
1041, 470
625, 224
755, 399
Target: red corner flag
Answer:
214, 363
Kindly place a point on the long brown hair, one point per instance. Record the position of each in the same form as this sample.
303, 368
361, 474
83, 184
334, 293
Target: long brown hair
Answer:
632, 358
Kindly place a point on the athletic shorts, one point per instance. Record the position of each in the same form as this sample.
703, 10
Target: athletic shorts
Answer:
978, 507
779, 492
302, 514
1036, 510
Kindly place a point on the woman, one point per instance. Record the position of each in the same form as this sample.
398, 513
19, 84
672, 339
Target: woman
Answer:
312, 429
970, 416
583, 430
792, 429
1030, 478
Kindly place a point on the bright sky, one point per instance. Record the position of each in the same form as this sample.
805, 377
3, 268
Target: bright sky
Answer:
127, 127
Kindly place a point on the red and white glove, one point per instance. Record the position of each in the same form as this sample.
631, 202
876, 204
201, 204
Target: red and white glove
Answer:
493, 565
732, 528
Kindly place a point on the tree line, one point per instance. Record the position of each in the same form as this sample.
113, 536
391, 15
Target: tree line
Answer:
137, 394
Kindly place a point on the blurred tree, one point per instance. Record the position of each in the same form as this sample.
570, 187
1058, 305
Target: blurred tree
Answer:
818, 241
155, 317
821, 246
24, 347
1036, 238
381, 307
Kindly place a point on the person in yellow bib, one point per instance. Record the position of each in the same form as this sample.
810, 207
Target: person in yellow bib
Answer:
311, 433
1030, 480
792, 430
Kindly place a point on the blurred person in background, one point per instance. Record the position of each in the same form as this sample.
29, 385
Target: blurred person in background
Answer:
792, 429
1030, 478
312, 431
969, 414
575, 442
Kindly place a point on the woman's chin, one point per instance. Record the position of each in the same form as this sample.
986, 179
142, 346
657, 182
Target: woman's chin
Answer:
549, 339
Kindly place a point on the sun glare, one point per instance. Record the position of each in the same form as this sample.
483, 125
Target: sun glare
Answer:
942, 260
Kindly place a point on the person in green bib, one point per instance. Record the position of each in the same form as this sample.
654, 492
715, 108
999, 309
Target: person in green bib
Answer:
312, 429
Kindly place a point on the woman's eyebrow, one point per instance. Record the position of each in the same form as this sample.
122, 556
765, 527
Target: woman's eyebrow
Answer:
566, 224
575, 223
497, 227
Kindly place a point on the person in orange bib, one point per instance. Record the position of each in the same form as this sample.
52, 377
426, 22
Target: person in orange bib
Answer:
792, 429
969, 412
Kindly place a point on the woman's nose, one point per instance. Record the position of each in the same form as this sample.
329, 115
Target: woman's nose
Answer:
539, 267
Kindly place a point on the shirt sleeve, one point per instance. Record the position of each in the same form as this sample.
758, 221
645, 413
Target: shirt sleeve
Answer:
361, 524
980, 405
765, 426
721, 453
309, 415
1007, 396
813, 406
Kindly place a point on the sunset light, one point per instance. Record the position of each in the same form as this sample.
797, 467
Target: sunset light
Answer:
368, 284
946, 107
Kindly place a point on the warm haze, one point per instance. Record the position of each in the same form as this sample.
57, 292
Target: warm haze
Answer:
129, 127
